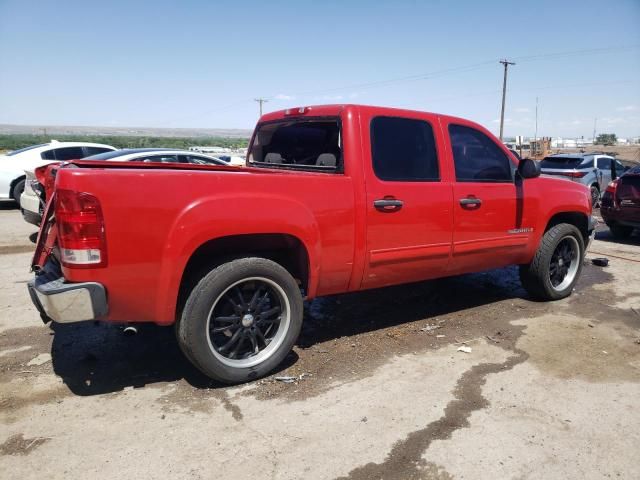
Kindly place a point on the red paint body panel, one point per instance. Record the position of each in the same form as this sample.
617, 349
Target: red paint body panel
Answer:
156, 216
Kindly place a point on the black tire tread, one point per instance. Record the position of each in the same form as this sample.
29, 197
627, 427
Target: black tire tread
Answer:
189, 335
533, 276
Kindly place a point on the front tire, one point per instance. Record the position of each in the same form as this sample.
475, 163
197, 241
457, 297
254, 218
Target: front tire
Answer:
17, 191
241, 320
557, 264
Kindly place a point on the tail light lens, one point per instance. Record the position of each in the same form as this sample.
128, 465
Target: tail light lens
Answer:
611, 188
575, 174
81, 235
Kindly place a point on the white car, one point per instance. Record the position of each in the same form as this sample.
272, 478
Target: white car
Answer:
32, 201
14, 164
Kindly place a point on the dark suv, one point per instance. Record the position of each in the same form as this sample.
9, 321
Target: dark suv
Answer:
621, 204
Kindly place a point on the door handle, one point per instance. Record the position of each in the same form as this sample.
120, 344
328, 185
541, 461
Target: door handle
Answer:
388, 205
470, 202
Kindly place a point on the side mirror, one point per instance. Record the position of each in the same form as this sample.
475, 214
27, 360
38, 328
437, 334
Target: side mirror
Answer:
528, 168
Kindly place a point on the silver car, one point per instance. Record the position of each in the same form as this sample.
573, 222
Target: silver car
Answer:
591, 169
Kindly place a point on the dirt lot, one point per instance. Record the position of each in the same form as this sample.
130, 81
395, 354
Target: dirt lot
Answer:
549, 390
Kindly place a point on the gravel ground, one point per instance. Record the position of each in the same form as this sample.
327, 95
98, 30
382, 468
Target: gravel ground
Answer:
548, 390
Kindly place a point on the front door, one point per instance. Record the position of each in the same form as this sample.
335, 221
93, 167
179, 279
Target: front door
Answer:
488, 203
409, 218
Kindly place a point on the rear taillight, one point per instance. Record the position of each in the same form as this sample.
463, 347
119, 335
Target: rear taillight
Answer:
81, 235
611, 188
575, 174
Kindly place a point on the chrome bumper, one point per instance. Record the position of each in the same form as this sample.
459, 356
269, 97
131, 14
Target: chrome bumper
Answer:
66, 302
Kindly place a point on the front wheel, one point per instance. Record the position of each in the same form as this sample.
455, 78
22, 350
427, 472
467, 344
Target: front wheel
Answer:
17, 191
557, 264
241, 320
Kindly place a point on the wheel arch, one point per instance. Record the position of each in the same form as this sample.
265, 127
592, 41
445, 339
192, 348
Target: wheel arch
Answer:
284, 249
579, 219
14, 182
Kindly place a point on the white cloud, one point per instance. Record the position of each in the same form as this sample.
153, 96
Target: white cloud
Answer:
282, 96
627, 108
614, 120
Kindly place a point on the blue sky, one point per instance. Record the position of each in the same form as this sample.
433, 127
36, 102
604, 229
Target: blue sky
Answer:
201, 63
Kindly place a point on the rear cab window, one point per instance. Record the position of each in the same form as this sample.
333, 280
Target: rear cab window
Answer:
311, 144
403, 149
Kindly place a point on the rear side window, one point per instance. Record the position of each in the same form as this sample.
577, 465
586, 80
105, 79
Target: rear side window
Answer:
477, 158
66, 153
95, 150
567, 163
403, 149
198, 160
298, 144
48, 155
157, 158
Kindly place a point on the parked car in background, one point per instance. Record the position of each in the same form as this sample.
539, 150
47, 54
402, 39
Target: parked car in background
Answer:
161, 155
233, 160
620, 207
13, 164
33, 198
590, 169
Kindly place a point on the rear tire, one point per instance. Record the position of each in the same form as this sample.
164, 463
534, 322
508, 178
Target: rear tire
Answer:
620, 231
557, 264
241, 320
17, 191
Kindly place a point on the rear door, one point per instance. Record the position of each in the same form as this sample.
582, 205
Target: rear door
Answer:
487, 203
408, 205
604, 171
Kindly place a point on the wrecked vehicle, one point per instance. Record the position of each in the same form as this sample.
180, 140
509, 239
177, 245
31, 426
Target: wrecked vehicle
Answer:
334, 199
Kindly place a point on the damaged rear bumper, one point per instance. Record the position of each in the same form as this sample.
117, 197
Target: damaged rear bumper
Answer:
66, 302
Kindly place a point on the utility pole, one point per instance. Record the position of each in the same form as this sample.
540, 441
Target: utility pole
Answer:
535, 137
261, 101
506, 64
595, 121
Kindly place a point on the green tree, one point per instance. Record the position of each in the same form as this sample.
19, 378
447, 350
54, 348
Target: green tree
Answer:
606, 139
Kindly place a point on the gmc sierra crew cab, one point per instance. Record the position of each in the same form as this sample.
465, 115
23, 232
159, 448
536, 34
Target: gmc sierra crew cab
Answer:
333, 199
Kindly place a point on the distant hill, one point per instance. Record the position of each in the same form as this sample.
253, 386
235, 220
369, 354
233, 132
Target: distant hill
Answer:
53, 130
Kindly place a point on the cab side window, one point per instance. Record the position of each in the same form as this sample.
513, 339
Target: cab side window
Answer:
477, 158
403, 149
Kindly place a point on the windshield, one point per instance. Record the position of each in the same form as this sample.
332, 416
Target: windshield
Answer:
309, 144
25, 149
568, 163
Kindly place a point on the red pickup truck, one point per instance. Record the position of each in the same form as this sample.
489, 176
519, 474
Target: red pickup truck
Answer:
334, 199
